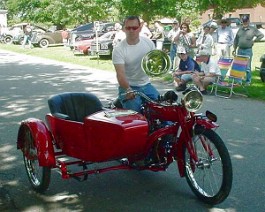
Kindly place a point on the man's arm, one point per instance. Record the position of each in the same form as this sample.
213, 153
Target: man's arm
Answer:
259, 35
121, 77
122, 80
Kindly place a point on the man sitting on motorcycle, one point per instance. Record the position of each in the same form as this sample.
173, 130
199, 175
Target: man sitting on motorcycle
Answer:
187, 66
126, 58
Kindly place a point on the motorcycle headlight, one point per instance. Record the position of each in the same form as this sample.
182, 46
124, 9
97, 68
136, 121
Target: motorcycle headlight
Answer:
193, 100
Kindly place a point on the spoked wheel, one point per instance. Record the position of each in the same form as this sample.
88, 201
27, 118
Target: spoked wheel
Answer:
211, 177
39, 177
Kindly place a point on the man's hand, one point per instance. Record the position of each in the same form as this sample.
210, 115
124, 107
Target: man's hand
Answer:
130, 94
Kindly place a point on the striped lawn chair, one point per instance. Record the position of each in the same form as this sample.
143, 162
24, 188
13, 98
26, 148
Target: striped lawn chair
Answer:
234, 76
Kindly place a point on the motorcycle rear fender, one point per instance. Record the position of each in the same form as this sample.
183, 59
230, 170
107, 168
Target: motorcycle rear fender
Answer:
42, 140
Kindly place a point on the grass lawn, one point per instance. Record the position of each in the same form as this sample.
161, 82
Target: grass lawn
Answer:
59, 53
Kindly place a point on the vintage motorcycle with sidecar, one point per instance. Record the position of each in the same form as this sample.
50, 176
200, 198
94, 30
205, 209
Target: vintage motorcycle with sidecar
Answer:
79, 132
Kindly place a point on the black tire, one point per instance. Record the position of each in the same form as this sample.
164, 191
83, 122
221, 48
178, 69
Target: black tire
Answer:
211, 178
39, 177
44, 43
8, 39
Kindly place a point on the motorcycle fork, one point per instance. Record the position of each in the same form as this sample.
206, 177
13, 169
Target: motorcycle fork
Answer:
185, 132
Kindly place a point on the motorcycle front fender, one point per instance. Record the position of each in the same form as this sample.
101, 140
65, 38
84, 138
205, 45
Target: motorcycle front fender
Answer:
200, 122
42, 140
206, 123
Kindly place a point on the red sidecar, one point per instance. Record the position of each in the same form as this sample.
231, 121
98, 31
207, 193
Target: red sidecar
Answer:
80, 128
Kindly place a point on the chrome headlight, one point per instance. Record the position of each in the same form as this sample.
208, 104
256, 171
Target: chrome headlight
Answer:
156, 63
193, 100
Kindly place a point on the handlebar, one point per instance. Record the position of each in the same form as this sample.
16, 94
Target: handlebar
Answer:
169, 96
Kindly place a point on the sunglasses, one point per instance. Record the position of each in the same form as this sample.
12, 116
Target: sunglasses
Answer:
133, 28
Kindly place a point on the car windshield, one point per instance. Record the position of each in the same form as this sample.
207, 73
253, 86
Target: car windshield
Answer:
107, 35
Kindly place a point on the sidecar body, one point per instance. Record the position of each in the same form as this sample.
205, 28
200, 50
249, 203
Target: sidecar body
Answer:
78, 126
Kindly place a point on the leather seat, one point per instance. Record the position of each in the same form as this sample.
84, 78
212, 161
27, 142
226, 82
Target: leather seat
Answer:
74, 106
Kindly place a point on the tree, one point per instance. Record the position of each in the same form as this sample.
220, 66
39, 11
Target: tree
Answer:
59, 12
66, 12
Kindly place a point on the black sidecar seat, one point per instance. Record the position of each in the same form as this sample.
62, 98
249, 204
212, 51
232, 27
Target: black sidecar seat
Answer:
74, 106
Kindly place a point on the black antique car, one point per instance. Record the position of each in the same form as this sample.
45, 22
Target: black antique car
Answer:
105, 46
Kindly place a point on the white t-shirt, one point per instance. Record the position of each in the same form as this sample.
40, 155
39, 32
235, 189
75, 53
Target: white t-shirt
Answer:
211, 67
131, 56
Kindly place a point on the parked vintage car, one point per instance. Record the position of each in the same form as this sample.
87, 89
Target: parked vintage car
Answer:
86, 31
261, 27
48, 38
15, 33
105, 46
234, 23
82, 46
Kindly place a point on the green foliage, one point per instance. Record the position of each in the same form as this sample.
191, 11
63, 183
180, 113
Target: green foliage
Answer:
75, 12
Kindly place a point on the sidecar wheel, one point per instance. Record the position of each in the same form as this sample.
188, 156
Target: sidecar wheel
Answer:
211, 177
39, 177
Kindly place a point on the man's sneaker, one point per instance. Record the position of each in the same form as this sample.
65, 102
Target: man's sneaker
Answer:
181, 88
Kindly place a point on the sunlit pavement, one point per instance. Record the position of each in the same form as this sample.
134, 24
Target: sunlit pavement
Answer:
27, 82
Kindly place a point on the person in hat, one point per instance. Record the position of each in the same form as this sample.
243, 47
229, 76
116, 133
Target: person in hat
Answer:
187, 66
209, 71
205, 42
173, 46
213, 33
225, 39
244, 41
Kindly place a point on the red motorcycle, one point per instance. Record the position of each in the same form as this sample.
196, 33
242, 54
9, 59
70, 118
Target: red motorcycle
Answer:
79, 131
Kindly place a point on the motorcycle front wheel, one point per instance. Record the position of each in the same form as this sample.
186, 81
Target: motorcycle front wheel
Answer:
39, 177
210, 178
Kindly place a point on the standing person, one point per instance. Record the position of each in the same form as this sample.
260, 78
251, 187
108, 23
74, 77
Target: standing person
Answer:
145, 30
173, 46
244, 41
27, 36
187, 66
126, 58
209, 72
205, 42
158, 35
186, 39
225, 39
65, 36
119, 36
213, 33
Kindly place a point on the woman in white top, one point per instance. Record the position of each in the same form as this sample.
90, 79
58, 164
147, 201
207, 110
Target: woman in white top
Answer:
186, 39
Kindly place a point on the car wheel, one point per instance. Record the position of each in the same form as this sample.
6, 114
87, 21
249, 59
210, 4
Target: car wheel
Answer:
21, 40
44, 43
8, 39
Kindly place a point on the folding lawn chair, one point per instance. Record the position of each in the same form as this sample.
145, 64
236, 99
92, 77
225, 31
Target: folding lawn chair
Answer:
234, 77
224, 64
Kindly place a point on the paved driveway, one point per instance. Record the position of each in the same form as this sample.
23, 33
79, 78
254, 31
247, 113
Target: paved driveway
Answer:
26, 83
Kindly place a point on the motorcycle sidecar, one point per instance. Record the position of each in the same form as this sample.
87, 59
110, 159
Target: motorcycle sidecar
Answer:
79, 127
